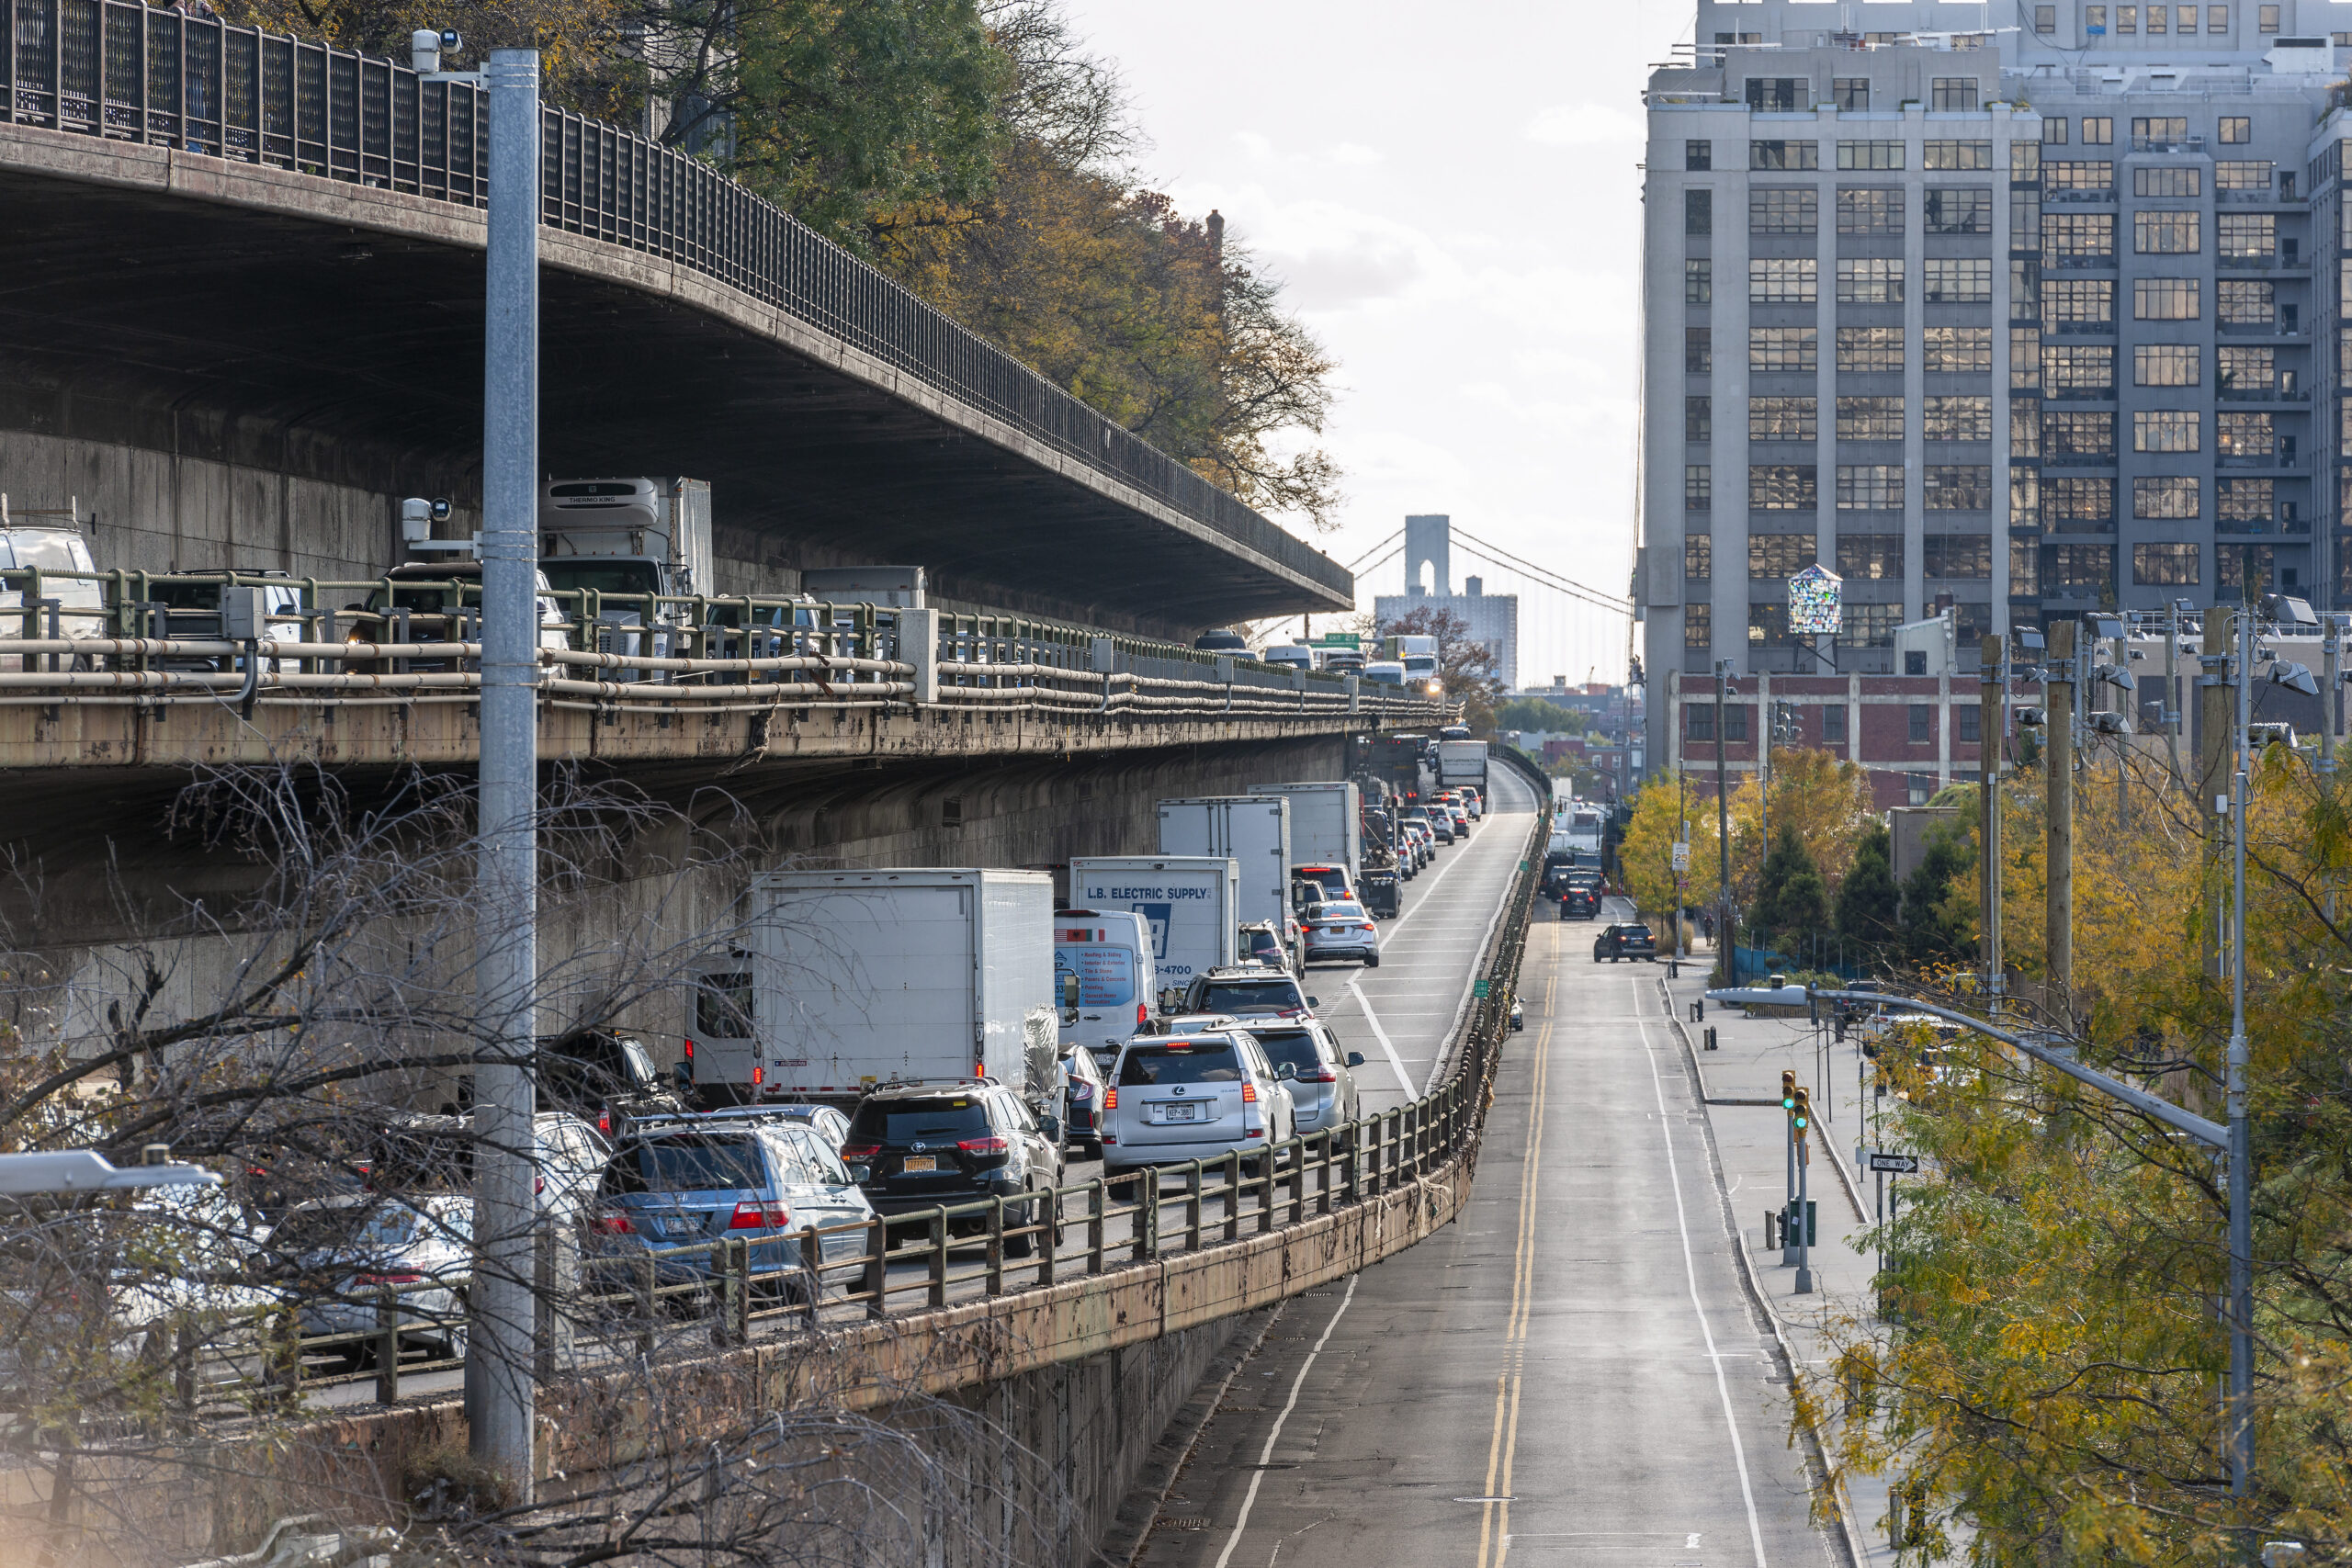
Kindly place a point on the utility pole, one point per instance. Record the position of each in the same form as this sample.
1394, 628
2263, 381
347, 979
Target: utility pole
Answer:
1992, 730
2170, 707
1725, 950
2331, 645
2212, 777
2058, 714
502, 1345
2239, 1423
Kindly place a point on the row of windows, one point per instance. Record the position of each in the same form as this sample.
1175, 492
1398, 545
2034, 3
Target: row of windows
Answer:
2155, 231
1863, 280
1699, 717
1787, 95
2081, 368
1957, 351
2160, 19
1796, 156
1796, 209
1967, 417
1872, 557
1962, 487
1869, 487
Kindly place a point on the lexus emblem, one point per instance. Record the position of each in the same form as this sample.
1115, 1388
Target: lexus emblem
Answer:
1177, 1088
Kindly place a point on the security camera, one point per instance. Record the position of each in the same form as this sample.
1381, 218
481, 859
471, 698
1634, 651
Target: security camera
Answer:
425, 48
2110, 724
2271, 735
2031, 718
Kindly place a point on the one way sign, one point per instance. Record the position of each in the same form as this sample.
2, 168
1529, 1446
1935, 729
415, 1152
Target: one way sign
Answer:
1881, 1160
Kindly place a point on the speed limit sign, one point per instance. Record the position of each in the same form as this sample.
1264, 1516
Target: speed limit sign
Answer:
1681, 856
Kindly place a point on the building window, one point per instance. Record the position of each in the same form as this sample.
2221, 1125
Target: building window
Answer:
2082, 566
1970, 155
2159, 134
2025, 497
1698, 351
1953, 93
2163, 565
1971, 721
1698, 156
1767, 624
2167, 182
1699, 282
1699, 718
1870, 282
2166, 298
1697, 487
2087, 236
1923, 724
2079, 367
2237, 129
2266, 18
1878, 557
2166, 233
2083, 301
2127, 19
1697, 419
2025, 359
1869, 626
2246, 568
1790, 350
2242, 174
1788, 281
2025, 566
1782, 209
1870, 211
1869, 486
2025, 429
2095, 21
1833, 725
2246, 235
1870, 154
2166, 497
2025, 288
1778, 95
1957, 212
2166, 430
2025, 160
1784, 419
2244, 436
2054, 132
1957, 555
1780, 486
1862, 349
1698, 212
2045, 18
2077, 173
2246, 500
2067, 435
1959, 281
1968, 418
2078, 499
1784, 154
1870, 419
2166, 365
1850, 92
2217, 19
2025, 221
1957, 351
1958, 487
1699, 556
1735, 723
2098, 130
2244, 302
1698, 632
2247, 369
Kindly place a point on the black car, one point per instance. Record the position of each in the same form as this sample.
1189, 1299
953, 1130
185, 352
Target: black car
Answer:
1579, 903
923, 1145
603, 1076
1382, 897
1624, 941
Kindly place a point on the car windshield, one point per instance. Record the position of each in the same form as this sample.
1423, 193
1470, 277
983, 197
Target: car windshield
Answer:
1336, 912
906, 1120
695, 1162
622, 577
1638, 933
1212, 1061
1251, 995
1295, 1046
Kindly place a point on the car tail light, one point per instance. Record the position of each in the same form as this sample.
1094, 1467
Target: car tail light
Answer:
366, 1279
751, 1216
1082, 1091
612, 1224
984, 1145
1316, 1075
758, 1076
690, 1050
538, 1185
1248, 1094
860, 1151
605, 1122
1110, 1099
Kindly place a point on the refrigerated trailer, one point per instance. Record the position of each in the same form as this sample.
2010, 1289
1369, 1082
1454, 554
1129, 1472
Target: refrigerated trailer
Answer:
1251, 831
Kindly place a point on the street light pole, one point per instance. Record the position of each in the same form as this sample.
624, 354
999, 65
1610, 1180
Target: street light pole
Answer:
2239, 1423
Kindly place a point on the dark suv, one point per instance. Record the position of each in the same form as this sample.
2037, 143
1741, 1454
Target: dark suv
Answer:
1578, 902
1624, 941
1248, 993
603, 1076
923, 1145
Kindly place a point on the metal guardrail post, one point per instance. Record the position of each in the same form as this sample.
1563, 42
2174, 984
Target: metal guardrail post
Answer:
1193, 1207
388, 1346
1233, 1195
876, 1284
996, 1246
1271, 1177
1047, 1212
938, 1295
730, 1295
812, 1272
1323, 1173
649, 1303
284, 1341
1096, 1228
1147, 1220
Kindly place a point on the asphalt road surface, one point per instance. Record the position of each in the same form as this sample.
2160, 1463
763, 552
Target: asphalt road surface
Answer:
1570, 1374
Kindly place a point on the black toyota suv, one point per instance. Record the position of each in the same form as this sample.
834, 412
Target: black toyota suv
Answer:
925, 1145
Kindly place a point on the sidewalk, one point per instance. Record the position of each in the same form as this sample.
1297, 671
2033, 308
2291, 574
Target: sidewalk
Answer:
1750, 1143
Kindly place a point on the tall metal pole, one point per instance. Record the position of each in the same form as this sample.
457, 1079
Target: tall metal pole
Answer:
500, 1353
1992, 728
2239, 1421
2059, 725
2170, 707
2213, 727
1726, 950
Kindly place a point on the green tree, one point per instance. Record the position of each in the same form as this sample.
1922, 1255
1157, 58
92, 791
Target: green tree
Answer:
1541, 714
1936, 930
1792, 906
1869, 913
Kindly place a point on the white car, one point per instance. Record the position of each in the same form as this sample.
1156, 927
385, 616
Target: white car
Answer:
1194, 1023
349, 1250
1342, 930
1178, 1098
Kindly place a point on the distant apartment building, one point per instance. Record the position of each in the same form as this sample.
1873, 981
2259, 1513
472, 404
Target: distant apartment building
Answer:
1491, 619
2024, 320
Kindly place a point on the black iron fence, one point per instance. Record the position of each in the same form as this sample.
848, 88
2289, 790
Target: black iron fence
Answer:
128, 72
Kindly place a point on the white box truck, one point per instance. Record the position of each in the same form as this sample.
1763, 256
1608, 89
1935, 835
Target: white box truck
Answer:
846, 979
1326, 824
1252, 832
1462, 762
1190, 904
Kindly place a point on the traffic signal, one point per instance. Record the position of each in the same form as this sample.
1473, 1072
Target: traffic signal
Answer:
1803, 1115
1788, 1089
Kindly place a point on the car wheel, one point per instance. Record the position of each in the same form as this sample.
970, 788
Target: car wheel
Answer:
1373, 962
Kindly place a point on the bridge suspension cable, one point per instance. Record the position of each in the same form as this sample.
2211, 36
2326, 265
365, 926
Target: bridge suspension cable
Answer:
1545, 576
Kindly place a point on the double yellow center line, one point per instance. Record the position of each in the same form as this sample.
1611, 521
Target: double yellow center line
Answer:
1502, 1448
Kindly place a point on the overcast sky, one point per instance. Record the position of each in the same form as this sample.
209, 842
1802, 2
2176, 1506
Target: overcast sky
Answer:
1454, 198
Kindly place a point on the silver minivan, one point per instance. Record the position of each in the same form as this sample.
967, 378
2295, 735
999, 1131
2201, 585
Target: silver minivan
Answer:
1185, 1097
1321, 1081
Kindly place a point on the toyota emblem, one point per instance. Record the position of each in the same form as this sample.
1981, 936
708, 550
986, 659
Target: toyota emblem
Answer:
917, 1148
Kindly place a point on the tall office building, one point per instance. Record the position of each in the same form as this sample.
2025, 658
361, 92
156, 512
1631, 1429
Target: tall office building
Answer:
2019, 321
1490, 620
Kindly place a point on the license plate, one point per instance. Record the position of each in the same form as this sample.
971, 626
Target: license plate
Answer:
915, 1165
1183, 1112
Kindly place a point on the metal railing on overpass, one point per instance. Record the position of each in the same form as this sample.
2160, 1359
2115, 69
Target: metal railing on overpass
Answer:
146, 636
129, 73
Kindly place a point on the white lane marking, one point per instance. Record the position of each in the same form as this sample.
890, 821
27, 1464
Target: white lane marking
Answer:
1690, 1273
1404, 1080
1693, 1544
1249, 1498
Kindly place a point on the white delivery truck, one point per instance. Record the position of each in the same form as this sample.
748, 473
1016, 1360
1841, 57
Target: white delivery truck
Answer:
624, 537
845, 979
1108, 954
1189, 903
1326, 824
1462, 762
1251, 831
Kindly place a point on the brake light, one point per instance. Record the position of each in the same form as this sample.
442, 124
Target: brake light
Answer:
1316, 1075
749, 1216
365, 1280
1143, 1016
860, 1151
758, 1076
983, 1146
612, 1224
604, 1124
538, 1185
1082, 1091
690, 1050
1248, 1094
1111, 1097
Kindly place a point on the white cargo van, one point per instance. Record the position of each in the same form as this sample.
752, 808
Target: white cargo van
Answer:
1110, 953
